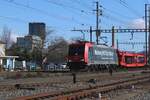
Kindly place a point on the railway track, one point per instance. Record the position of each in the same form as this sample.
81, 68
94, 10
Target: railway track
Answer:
86, 92
59, 79
11, 88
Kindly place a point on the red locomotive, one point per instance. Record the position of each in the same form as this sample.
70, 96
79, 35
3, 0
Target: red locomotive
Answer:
88, 56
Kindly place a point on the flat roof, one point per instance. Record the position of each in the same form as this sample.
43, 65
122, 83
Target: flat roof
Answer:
9, 56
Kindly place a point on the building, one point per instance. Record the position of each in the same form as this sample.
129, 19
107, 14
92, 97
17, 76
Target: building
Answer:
2, 48
6, 62
29, 42
37, 29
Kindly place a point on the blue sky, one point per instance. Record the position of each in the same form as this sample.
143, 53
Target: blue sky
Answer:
63, 15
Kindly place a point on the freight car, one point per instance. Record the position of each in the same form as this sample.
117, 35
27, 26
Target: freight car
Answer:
88, 56
131, 60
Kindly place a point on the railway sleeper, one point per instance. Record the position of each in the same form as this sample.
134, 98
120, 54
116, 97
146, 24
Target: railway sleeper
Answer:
76, 95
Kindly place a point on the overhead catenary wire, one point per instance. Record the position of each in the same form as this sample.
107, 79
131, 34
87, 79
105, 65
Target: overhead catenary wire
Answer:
85, 5
25, 21
14, 19
78, 11
42, 12
62, 5
113, 18
66, 6
124, 3
117, 13
147, 1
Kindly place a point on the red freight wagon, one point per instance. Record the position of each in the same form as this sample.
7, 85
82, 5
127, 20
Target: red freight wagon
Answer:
129, 59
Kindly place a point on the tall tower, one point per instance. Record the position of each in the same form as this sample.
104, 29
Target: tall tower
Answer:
37, 29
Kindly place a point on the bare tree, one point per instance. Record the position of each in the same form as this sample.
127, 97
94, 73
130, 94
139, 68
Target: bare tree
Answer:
6, 36
57, 50
76, 39
48, 36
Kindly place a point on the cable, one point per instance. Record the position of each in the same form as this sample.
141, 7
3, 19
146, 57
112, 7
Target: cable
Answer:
123, 3
108, 16
41, 11
85, 5
116, 13
68, 6
147, 1
14, 19
113, 19
65, 6
25, 21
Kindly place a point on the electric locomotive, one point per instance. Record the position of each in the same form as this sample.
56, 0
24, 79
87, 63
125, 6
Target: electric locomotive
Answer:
88, 56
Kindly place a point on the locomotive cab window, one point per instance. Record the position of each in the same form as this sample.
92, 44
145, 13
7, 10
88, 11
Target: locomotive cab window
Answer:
140, 60
129, 59
77, 50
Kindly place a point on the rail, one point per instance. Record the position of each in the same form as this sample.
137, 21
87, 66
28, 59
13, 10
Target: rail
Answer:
86, 92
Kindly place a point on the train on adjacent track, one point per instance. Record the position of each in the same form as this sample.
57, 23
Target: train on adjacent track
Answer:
89, 56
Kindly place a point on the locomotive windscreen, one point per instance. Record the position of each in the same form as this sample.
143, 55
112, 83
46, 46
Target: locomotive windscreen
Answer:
76, 50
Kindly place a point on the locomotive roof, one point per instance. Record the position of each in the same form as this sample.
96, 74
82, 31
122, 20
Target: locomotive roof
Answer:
131, 52
103, 46
95, 45
81, 42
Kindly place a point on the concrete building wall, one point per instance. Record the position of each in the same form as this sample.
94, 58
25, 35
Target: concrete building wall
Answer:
2, 52
29, 42
2, 49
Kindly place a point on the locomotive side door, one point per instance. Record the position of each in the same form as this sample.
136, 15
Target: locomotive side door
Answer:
90, 55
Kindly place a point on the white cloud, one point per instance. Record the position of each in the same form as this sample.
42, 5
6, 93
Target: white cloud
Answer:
137, 23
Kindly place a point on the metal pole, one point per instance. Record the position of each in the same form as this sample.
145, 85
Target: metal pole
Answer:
117, 44
74, 77
149, 33
146, 32
83, 35
97, 17
90, 33
113, 37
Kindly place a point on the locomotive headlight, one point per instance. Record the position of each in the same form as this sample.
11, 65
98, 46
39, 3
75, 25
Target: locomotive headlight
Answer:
82, 60
69, 60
